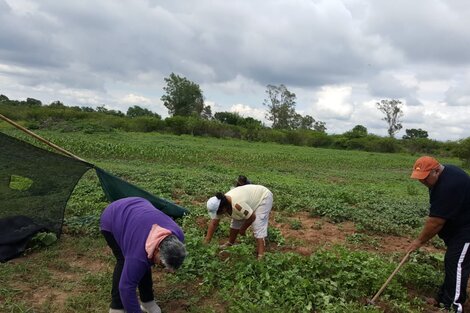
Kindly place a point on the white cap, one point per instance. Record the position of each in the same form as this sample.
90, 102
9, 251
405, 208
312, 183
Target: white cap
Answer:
212, 206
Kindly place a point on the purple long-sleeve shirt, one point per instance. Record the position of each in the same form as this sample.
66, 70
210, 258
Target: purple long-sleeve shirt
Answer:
130, 221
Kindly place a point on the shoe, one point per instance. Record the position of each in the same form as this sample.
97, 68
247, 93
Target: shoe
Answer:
225, 245
150, 307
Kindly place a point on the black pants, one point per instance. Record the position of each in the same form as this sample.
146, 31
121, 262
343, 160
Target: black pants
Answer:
145, 284
453, 292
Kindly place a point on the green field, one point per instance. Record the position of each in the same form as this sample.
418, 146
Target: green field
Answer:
372, 190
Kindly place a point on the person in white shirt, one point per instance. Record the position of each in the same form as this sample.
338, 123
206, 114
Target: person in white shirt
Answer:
247, 205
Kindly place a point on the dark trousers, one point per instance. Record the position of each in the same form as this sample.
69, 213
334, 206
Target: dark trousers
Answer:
145, 284
453, 292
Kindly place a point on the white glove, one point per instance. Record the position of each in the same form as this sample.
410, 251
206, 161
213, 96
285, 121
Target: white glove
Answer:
150, 307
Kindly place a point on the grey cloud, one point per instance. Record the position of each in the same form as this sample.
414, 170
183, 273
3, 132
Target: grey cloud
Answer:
426, 31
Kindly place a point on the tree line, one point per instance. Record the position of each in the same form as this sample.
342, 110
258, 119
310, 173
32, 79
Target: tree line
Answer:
190, 115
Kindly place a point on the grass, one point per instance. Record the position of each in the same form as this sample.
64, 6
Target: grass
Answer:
371, 189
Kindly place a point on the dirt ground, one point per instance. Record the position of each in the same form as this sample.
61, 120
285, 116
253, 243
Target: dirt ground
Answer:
303, 234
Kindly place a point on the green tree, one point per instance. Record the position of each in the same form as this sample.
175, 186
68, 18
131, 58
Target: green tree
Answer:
463, 151
136, 111
228, 118
319, 126
281, 107
56, 104
414, 133
33, 102
358, 131
206, 112
250, 122
183, 97
102, 109
393, 113
87, 109
4, 99
307, 122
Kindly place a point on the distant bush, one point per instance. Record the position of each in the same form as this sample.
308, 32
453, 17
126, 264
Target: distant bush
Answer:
57, 116
463, 151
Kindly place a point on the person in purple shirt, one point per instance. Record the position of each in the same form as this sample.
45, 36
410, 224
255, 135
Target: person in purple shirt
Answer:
139, 236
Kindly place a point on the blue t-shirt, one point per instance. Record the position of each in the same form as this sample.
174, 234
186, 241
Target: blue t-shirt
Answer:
450, 200
130, 221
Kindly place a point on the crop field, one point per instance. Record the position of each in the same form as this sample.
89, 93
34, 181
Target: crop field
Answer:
340, 224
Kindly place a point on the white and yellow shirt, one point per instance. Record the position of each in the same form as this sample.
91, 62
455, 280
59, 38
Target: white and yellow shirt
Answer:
248, 197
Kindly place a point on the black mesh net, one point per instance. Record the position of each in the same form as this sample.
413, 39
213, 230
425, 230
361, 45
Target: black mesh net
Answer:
35, 185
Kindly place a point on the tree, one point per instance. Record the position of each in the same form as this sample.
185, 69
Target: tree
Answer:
33, 102
136, 111
319, 126
231, 118
206, 112
414, 133
463, 151
183, 97
393, 113
358, 131
281, 107
4, 98
87, 109
102, 109
56, 104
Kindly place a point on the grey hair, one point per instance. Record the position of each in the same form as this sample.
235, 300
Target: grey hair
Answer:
172, 252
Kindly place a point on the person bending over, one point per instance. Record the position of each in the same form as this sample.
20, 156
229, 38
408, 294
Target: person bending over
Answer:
247, 205
449, 217
140, 236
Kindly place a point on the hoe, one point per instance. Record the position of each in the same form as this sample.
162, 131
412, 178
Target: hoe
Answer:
372, 301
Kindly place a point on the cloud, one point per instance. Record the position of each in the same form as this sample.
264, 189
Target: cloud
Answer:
135, 99
333, 103
247, 111
338, 56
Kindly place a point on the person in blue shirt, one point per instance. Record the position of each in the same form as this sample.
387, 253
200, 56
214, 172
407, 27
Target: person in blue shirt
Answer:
449, 218
140, 236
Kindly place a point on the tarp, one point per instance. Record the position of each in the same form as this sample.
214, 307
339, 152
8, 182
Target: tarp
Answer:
115, 188
35, 185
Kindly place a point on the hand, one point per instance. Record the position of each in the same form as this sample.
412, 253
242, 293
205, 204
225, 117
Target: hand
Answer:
415, 245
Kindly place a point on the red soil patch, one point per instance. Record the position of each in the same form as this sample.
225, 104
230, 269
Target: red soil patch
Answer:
312, 233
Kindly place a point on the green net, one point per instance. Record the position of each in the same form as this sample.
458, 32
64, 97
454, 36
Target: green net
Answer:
35, 185
115, 188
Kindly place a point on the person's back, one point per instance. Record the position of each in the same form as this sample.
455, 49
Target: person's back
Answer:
450, 199
130, 220
250, 194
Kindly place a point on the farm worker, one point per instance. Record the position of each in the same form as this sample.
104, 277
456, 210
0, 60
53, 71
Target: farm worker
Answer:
247, 205
449, 217
242, 181
139, 236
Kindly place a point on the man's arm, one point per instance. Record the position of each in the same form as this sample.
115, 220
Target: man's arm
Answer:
431, 227
213, 224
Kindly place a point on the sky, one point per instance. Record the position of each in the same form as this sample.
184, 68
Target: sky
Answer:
339, 57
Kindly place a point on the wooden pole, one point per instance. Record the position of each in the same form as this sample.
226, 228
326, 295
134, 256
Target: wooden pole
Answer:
50, 144
405, 258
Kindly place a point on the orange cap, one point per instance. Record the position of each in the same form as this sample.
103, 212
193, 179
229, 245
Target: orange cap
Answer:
423, 166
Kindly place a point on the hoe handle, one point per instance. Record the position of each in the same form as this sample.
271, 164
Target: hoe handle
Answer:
405, 258
50, 144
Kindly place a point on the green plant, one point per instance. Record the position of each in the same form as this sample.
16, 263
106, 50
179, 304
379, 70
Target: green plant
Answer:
295, 224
